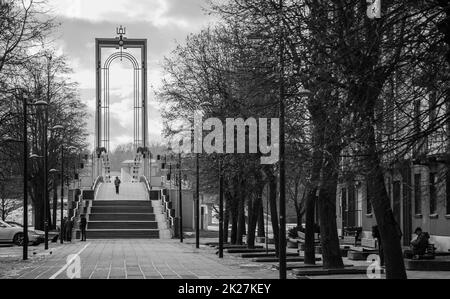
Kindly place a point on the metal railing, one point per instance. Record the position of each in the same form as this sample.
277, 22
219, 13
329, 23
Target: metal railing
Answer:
145, 181
168, 211
80, 205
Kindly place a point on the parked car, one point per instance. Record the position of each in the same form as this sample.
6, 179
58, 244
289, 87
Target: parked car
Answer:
52, 235
14, 235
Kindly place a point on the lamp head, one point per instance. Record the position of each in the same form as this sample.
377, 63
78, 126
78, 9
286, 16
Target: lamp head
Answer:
11, 140
304, 92
58, 128
40, 104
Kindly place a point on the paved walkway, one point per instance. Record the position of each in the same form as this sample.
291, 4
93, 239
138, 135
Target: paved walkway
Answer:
128, 191
147, 259
133, 259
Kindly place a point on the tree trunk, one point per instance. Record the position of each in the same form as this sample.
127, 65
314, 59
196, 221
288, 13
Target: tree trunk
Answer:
331, 252
38, 204
310, 209
251, 230
3, 210
254, 213
55, 207
226, 222
274, 212
234, 215
261, 222
310, 248
49, 213
299, 214
241, 218
389, 228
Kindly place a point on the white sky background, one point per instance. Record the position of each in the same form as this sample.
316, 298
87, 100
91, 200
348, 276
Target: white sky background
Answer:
162, 22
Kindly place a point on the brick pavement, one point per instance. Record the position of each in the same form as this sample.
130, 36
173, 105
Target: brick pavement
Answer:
136, 259
147, 259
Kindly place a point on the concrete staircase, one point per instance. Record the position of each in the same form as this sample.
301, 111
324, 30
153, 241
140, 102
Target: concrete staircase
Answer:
122, 220
130, 215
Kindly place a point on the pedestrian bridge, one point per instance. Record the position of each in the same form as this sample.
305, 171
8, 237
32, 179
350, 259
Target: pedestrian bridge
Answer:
128, 191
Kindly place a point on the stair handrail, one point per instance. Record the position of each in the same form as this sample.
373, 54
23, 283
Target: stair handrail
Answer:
79, 205
147, 186
97, 183
76, 212
167, 211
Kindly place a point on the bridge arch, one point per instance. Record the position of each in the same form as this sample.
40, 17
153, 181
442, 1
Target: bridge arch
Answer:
102, 116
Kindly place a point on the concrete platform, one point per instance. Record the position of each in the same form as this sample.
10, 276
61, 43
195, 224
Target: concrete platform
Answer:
246, 250
276, 260
237, 247
327, 272
293, 266
262, 255
430, 265
360, 255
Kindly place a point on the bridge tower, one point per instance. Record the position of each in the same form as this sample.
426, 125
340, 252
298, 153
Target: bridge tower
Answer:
122, 48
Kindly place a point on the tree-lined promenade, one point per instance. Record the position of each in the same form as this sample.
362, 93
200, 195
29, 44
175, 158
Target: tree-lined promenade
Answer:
31, 71
355, 98
379, 89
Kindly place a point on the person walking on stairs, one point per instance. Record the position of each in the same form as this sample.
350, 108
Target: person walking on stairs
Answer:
117, 183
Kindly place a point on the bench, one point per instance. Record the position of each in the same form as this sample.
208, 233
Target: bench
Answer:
302, 238
369, 243
430, 254
427, 265
350, 240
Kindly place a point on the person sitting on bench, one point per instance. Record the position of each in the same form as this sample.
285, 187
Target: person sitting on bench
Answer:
420, 245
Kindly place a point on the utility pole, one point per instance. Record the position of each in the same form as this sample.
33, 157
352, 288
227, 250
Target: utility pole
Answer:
282, 245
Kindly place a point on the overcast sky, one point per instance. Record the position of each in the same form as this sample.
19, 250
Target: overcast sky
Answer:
162, 22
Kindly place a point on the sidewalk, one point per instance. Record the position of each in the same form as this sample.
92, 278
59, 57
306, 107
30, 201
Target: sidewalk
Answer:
149, 259
130, 259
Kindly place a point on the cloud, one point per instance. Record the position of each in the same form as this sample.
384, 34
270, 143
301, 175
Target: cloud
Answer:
162, 22
183, 13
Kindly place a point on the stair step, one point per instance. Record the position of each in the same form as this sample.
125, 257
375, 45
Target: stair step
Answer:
134, 203
123, 225
122, 217
123, 234
122, 209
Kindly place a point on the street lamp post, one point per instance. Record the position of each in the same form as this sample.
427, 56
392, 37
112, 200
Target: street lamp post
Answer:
62, 130
197, 204
282, 153
180, 202
61, 233
46, 154
282, 245
25, 179
221, 227
24, 140
54, 173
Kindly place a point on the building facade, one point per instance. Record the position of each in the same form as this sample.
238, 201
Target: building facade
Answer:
420, 197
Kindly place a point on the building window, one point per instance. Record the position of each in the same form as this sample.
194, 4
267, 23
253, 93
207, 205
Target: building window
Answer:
418, 194
433, 195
